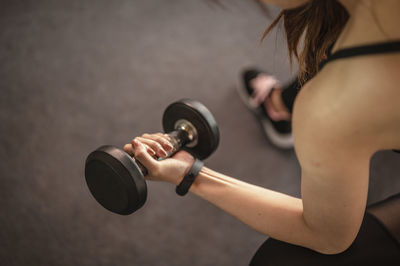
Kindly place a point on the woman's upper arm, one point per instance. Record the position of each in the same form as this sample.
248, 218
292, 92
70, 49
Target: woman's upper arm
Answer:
335, 170
334, 193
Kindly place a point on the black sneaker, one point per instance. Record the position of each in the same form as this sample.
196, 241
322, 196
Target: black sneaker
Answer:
278, 132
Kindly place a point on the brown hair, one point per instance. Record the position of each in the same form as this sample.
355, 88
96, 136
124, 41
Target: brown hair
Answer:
320, 21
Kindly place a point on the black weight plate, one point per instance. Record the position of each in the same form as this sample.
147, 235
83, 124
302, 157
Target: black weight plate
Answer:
202, 119
115, 180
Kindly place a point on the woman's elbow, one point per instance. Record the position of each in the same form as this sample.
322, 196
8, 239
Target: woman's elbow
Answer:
333, 245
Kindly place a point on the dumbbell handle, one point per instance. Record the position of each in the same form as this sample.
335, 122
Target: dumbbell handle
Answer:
178, 139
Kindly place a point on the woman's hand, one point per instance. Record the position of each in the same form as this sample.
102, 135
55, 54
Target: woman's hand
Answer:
148, 147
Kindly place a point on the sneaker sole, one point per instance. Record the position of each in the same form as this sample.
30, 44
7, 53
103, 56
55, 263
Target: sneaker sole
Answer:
282, 141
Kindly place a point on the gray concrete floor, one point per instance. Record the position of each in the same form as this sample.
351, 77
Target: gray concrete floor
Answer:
78, 74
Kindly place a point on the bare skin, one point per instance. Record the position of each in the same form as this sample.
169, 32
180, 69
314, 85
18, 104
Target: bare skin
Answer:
341, 118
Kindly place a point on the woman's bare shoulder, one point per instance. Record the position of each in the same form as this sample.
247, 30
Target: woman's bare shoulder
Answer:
352, 103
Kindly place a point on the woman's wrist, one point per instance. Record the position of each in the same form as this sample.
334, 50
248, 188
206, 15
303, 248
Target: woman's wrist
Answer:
204, 180
179, 172
183, 187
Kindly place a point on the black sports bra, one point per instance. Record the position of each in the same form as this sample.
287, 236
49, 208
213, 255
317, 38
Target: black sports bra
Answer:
369, 49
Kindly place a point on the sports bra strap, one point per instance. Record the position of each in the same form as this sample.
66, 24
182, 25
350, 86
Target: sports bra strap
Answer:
369, 49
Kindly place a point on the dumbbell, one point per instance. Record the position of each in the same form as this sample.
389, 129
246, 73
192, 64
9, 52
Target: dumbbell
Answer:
116, 180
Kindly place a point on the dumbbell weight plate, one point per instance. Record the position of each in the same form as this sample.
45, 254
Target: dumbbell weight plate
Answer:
115, 181
201, 118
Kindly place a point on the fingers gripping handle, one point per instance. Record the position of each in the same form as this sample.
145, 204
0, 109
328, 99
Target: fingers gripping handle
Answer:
178, 139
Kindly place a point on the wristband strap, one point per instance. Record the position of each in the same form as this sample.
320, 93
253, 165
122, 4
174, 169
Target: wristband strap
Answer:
183, 187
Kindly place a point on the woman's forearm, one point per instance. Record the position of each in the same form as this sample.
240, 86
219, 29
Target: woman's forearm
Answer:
272, 213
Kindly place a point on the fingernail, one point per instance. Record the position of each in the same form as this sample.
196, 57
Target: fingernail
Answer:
163, 153
169, 147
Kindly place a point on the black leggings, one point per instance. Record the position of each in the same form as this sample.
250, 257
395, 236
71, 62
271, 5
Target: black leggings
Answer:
377, 243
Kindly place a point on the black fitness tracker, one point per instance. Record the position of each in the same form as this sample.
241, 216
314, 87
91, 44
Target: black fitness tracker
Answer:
183, 187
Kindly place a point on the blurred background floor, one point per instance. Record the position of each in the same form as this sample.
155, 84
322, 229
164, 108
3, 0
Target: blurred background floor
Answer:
78, 74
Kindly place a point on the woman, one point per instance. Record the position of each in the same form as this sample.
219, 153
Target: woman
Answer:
344, 113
